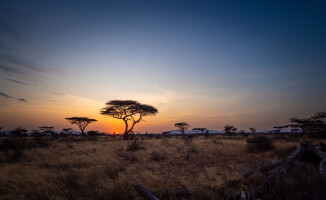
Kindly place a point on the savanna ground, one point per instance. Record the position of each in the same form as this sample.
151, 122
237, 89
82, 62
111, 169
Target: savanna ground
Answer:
103, 167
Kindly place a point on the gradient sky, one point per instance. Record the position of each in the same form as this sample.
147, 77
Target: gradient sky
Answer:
210, 63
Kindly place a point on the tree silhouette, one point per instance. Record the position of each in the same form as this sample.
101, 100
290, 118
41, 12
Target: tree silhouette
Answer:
316, 123
66, 130
200, 130
252, 130
230, 129
81, 122
183, 126
47, 129
279, 128
128, 111
19, 132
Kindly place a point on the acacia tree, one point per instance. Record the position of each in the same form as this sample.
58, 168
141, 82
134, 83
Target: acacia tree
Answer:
81, 122
128, 111
230, 129
66, 130
183, 126
277, 129
252, 130
200, 130
47, 129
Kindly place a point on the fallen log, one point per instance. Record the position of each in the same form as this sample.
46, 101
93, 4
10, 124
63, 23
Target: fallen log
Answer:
145, 192
264, 168
322, 155
322, 167
318, 152
283, 166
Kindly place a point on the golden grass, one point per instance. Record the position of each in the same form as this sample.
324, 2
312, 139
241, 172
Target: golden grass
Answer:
104, 169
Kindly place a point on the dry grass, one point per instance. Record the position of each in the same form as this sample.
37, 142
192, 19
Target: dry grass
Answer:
102, 168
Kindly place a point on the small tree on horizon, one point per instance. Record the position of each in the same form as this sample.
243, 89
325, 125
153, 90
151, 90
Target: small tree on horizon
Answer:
230, 129
66, 130
200, 130
183, 126
47, 129
81, 122
252, 130
19, 132
128, 111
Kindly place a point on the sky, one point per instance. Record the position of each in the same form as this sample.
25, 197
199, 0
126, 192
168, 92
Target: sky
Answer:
209, 63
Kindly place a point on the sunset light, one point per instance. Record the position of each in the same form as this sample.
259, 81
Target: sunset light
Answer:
163, 99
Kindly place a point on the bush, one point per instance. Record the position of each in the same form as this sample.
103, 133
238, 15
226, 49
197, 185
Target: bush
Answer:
158, 156
136, 145
260, 143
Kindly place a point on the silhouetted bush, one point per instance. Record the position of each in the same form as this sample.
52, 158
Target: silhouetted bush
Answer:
15, 155
112, 170
41, 141
13, 143
136, 145
260, 143
158, 156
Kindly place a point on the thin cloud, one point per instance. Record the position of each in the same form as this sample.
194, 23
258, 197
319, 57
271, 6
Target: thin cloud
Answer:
11, 69
17, 81
5, 95
12, 60
22, 100
58, 93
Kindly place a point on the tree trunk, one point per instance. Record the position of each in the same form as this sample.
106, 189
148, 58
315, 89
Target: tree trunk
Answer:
125, 135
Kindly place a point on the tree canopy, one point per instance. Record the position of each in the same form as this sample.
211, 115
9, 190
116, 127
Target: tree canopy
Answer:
128, 111
183, 126
81, 122
230, 129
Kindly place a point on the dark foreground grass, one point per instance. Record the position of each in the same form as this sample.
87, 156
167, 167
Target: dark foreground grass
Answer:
102, 167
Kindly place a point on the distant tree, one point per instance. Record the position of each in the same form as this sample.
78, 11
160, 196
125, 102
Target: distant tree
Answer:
277, 129
35, 132
313, 124
252, 130
242, 132
183, 126
92, 133
166, 132
47, 129
18, 132
295, 130
81, 122
230, 129
128, 111
200, 130
66, 130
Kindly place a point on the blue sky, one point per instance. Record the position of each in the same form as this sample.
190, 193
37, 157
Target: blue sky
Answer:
212, 63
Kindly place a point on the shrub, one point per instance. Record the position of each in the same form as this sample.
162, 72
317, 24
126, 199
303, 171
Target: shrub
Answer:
158, 156
260, 143
136, 145
15, 155
41, 141
112, 170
